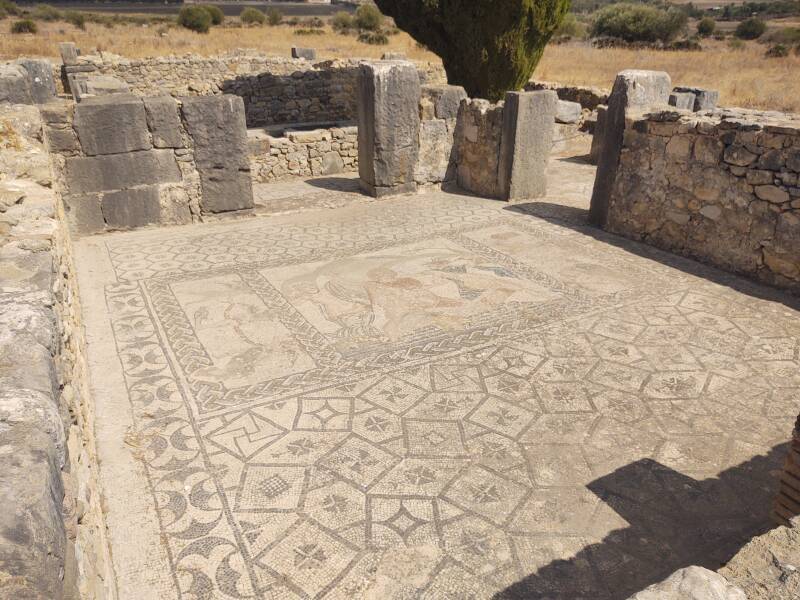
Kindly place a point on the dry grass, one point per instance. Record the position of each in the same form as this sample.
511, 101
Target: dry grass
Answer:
744, 77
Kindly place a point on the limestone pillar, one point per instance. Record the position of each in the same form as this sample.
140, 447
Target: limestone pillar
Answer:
633, 90
526, 141
388, 127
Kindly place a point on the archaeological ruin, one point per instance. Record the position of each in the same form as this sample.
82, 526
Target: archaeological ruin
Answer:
281, 328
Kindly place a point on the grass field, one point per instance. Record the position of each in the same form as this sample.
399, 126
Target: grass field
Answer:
744, 77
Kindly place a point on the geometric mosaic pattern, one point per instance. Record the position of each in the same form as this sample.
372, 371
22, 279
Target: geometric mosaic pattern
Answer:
438, 397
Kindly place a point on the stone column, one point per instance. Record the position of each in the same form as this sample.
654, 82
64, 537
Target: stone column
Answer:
388, 127
787, 504
633, 90
526, 141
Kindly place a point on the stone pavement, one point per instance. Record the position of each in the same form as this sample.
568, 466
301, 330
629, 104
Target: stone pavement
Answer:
432, 396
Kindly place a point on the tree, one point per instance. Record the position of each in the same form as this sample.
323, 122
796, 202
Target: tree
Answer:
252, 16
751, 29
195, 18
706, 26
487, 46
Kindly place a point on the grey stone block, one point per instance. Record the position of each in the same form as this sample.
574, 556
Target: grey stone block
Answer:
703, 99
528, 124
84, 214
56, 113
306, 53
164, 121
388, 127
128, 209
597, 135
40, 79
435, 151
105, 85
61, 139
112, 125
568, 112
633, 90
80, 69
692, 583
120, 171
216, 125
682, 100
332, 163
14, 86
69, 53
445, 98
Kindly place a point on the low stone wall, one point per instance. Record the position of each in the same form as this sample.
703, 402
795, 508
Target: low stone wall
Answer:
720, 186
303, 153
126, 162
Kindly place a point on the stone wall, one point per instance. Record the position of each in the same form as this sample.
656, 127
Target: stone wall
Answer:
275, 90
720, 186
125, 162
303, 153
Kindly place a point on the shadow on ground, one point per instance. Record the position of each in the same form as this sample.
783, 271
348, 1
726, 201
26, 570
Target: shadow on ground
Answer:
336, 184
578, 220
673, 523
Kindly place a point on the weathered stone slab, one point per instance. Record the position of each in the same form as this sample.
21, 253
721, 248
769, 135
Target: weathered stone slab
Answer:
69, 53
682, 100
164, 122
597, 135
445, 99
692, 583
61, 139
105, 85
217, 127
84, 214
14, 86
305, 53
568, 112
40, 79
128, 209
528, 123
388, 127
120, 171
112, 125
703, 99
633, 89
435, 149
478, 134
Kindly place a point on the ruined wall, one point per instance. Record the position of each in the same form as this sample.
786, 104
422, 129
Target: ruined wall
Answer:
275, 90
720, 186
303, 153
126, 162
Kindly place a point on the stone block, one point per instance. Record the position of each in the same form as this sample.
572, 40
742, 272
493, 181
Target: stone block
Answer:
597, 135
69, 53
61, 139
258, 142
216, 126
304, 53
128, 209
435, 150
14, 86
445, 99
164, 122
56, 113
633, 90
568, 112
120, 171
692, 583
528, 124
682, 100
388, 127
703, 99
41, 84
105, 85
332, 163
478, 134
83, 213
112, 125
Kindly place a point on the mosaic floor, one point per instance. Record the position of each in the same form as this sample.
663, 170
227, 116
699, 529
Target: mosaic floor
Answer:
433, 397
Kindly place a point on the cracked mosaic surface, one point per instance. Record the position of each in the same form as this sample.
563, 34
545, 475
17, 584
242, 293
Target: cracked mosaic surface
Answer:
441, 397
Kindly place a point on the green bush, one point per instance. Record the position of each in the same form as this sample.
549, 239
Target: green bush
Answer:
751, 29
252, 16
9, 8
343, 22
24, 26
571, 27
777, 51
638, 23
368, 18
736, 44
195, 18
215, 12
76, 19
274, 16
377, 38
45, 12
706, 26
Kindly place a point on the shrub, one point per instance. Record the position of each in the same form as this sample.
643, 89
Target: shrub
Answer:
195, 18
736, 44
252, 16
9, 8
638, 23
777, 51
751, 29
274, 16
788, 36
215, 12
706, 26
571, 28
309, 31
368, 18
487, 46
76, 19
45, 12
23, 26
377, 38
343, 22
